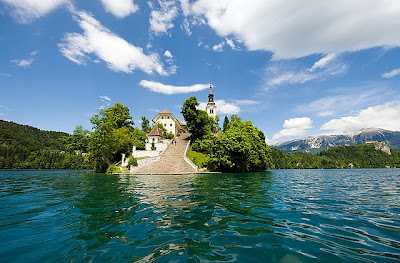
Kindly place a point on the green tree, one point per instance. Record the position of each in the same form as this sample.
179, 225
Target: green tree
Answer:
197, 121
145, 124
241, 148
113, 135
78, 141
226, 124
139, 139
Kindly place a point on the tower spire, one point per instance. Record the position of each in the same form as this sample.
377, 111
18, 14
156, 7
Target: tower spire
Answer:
210, 95
211, 108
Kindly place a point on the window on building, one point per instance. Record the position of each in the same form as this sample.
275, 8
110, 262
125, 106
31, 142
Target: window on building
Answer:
165, 125
167, 117
211, 111
162, 117
170, 125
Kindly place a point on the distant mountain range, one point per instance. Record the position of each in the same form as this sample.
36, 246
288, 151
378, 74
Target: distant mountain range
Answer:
320, 143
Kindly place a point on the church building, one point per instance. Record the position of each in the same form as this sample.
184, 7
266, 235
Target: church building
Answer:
211, 108
174, 125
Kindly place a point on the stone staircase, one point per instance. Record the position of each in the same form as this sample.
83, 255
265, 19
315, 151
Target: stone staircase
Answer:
172, 161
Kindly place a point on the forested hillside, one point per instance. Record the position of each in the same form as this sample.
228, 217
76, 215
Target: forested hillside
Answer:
26, 147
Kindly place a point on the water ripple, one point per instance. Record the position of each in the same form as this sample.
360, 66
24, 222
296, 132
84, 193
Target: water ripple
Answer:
277, 216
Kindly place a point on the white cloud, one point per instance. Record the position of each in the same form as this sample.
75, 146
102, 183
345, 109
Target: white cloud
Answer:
282, 73
5, 75
120, 55
185, 7
294, 127
170, 89
218, 47
293, 29
230, 43
105, 98
325, 113
4, 107
323, 62
106, 102
347, 100
161, 20
276, 77
391, 73
170, 60
247, 102
168, 54
25, 11
34, 53
384, 116
120, 8
25, 63
223, 107
186, 26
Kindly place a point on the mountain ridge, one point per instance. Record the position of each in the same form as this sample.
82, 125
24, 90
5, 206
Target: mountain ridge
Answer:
315, 144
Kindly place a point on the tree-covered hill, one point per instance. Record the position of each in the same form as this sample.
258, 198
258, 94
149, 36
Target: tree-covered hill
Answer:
13, 134
26, 147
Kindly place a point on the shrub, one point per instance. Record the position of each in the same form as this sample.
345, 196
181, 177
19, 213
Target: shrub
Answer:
199, 159
169, 135
132, 162
113, 169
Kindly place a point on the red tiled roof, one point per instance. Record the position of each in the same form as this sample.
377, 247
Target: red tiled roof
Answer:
155, 131
165, 111
181, 123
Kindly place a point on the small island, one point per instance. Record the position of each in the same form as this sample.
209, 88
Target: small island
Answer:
173, 147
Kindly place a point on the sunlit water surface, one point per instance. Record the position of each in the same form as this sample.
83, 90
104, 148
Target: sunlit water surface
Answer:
275, 216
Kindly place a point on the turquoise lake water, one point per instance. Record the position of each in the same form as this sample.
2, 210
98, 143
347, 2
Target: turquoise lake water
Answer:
275, 216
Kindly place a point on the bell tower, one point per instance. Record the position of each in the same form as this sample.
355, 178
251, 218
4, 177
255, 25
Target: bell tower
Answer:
211, 108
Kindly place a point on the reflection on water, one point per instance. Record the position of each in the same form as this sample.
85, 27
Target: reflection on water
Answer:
277, 216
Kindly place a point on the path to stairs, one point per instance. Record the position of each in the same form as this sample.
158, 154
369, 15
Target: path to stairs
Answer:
172, 161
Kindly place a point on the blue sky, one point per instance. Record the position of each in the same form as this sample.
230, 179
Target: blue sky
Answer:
294, 68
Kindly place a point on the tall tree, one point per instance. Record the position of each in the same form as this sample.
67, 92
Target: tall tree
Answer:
197, 121
78, 141
226, 124
145, 124
113, 134
241, 148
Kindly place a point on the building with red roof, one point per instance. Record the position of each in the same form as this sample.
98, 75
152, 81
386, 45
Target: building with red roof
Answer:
169, 122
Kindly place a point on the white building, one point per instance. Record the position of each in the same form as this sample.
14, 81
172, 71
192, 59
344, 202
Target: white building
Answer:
169, 122
211, 108
153, 137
